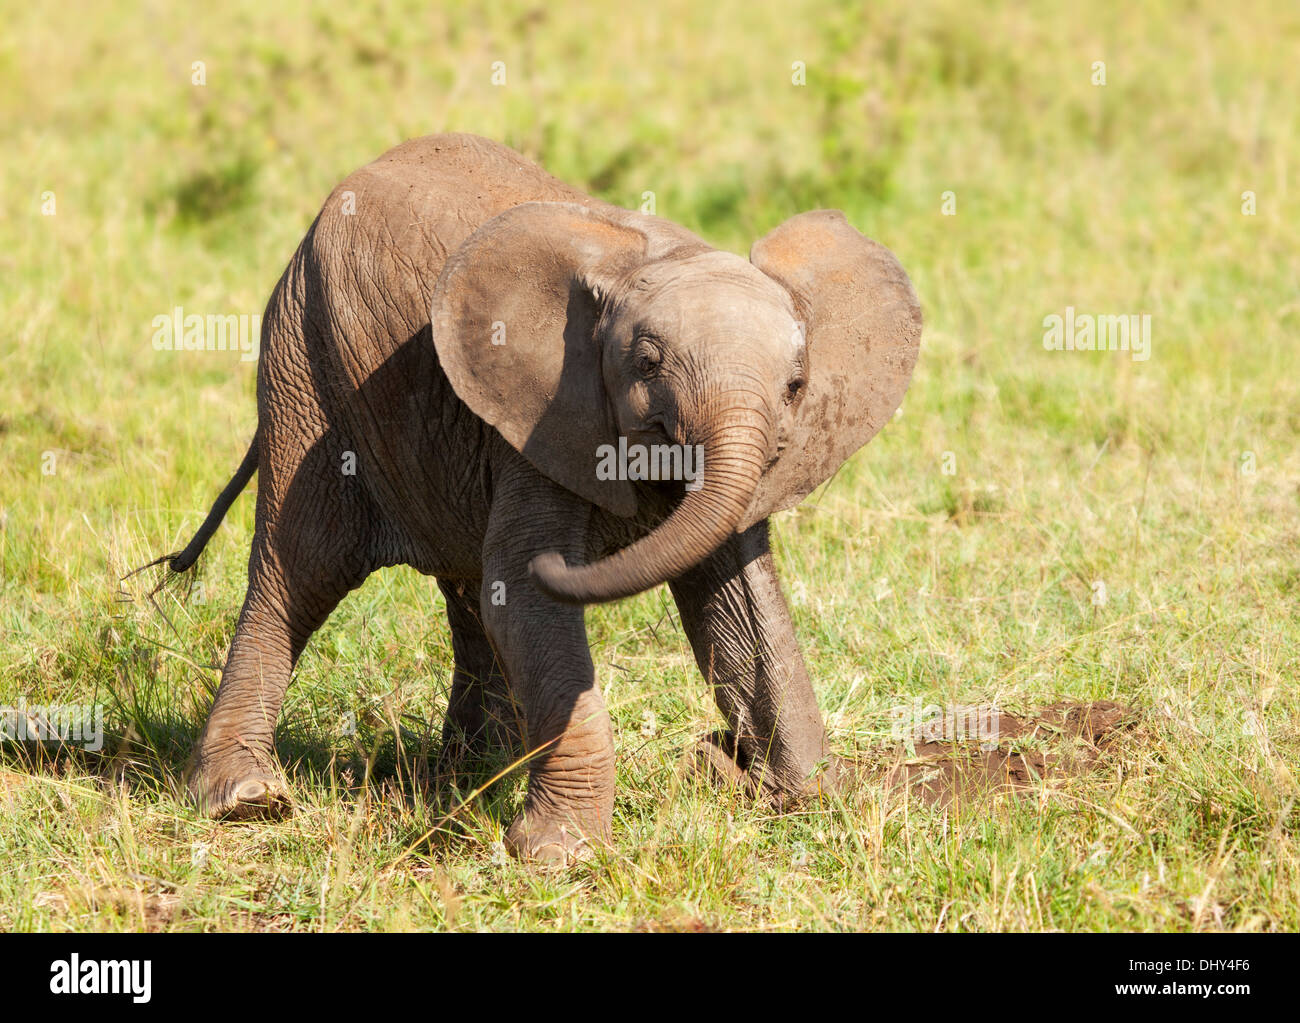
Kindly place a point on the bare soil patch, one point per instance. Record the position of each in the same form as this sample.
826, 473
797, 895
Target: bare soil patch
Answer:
1061, 741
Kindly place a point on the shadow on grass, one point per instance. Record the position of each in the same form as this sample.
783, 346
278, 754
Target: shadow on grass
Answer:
396, 771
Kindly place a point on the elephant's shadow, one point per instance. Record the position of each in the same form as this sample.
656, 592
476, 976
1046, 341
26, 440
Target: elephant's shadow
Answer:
146, 750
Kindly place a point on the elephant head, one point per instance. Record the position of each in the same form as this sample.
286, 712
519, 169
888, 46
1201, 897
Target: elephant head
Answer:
577, 331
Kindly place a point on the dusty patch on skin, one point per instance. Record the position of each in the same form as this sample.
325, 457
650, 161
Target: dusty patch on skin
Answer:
1061, 741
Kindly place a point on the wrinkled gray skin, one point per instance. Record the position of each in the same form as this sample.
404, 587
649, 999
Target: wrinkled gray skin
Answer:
475, 461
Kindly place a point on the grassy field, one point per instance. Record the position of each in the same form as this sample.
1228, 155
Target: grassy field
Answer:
1035, 526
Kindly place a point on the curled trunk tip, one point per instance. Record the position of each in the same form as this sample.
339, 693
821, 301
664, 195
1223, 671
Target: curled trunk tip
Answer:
548, 572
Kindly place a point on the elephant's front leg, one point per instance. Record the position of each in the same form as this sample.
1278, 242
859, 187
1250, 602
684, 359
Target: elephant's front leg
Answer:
739, 627
542, 647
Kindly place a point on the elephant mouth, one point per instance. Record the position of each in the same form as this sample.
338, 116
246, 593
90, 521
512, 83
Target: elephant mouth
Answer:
777, 450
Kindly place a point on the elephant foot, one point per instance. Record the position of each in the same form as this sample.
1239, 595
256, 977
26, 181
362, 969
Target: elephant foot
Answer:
238, 791
713, 758
550, 843
717, 759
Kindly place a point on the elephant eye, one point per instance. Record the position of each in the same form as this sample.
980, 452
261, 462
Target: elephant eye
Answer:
647, 356
793, 389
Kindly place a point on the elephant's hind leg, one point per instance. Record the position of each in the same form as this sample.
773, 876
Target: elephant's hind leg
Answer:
234, 772
482, 717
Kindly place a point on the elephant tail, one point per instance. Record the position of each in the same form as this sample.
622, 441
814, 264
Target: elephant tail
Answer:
185, 559
182, 561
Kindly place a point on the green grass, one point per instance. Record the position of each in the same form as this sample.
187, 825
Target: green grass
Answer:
1070, 468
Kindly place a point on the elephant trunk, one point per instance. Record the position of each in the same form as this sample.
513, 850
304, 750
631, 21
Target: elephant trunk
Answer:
733, 460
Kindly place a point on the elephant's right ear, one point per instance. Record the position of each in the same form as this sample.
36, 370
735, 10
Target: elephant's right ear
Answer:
514, 322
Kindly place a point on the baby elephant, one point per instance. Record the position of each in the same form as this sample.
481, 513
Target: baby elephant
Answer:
546, 401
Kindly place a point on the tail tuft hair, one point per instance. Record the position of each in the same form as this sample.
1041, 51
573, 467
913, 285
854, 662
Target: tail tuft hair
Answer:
183, 560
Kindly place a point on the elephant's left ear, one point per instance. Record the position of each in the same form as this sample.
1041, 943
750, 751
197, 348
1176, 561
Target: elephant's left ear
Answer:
514, 318
862, 324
